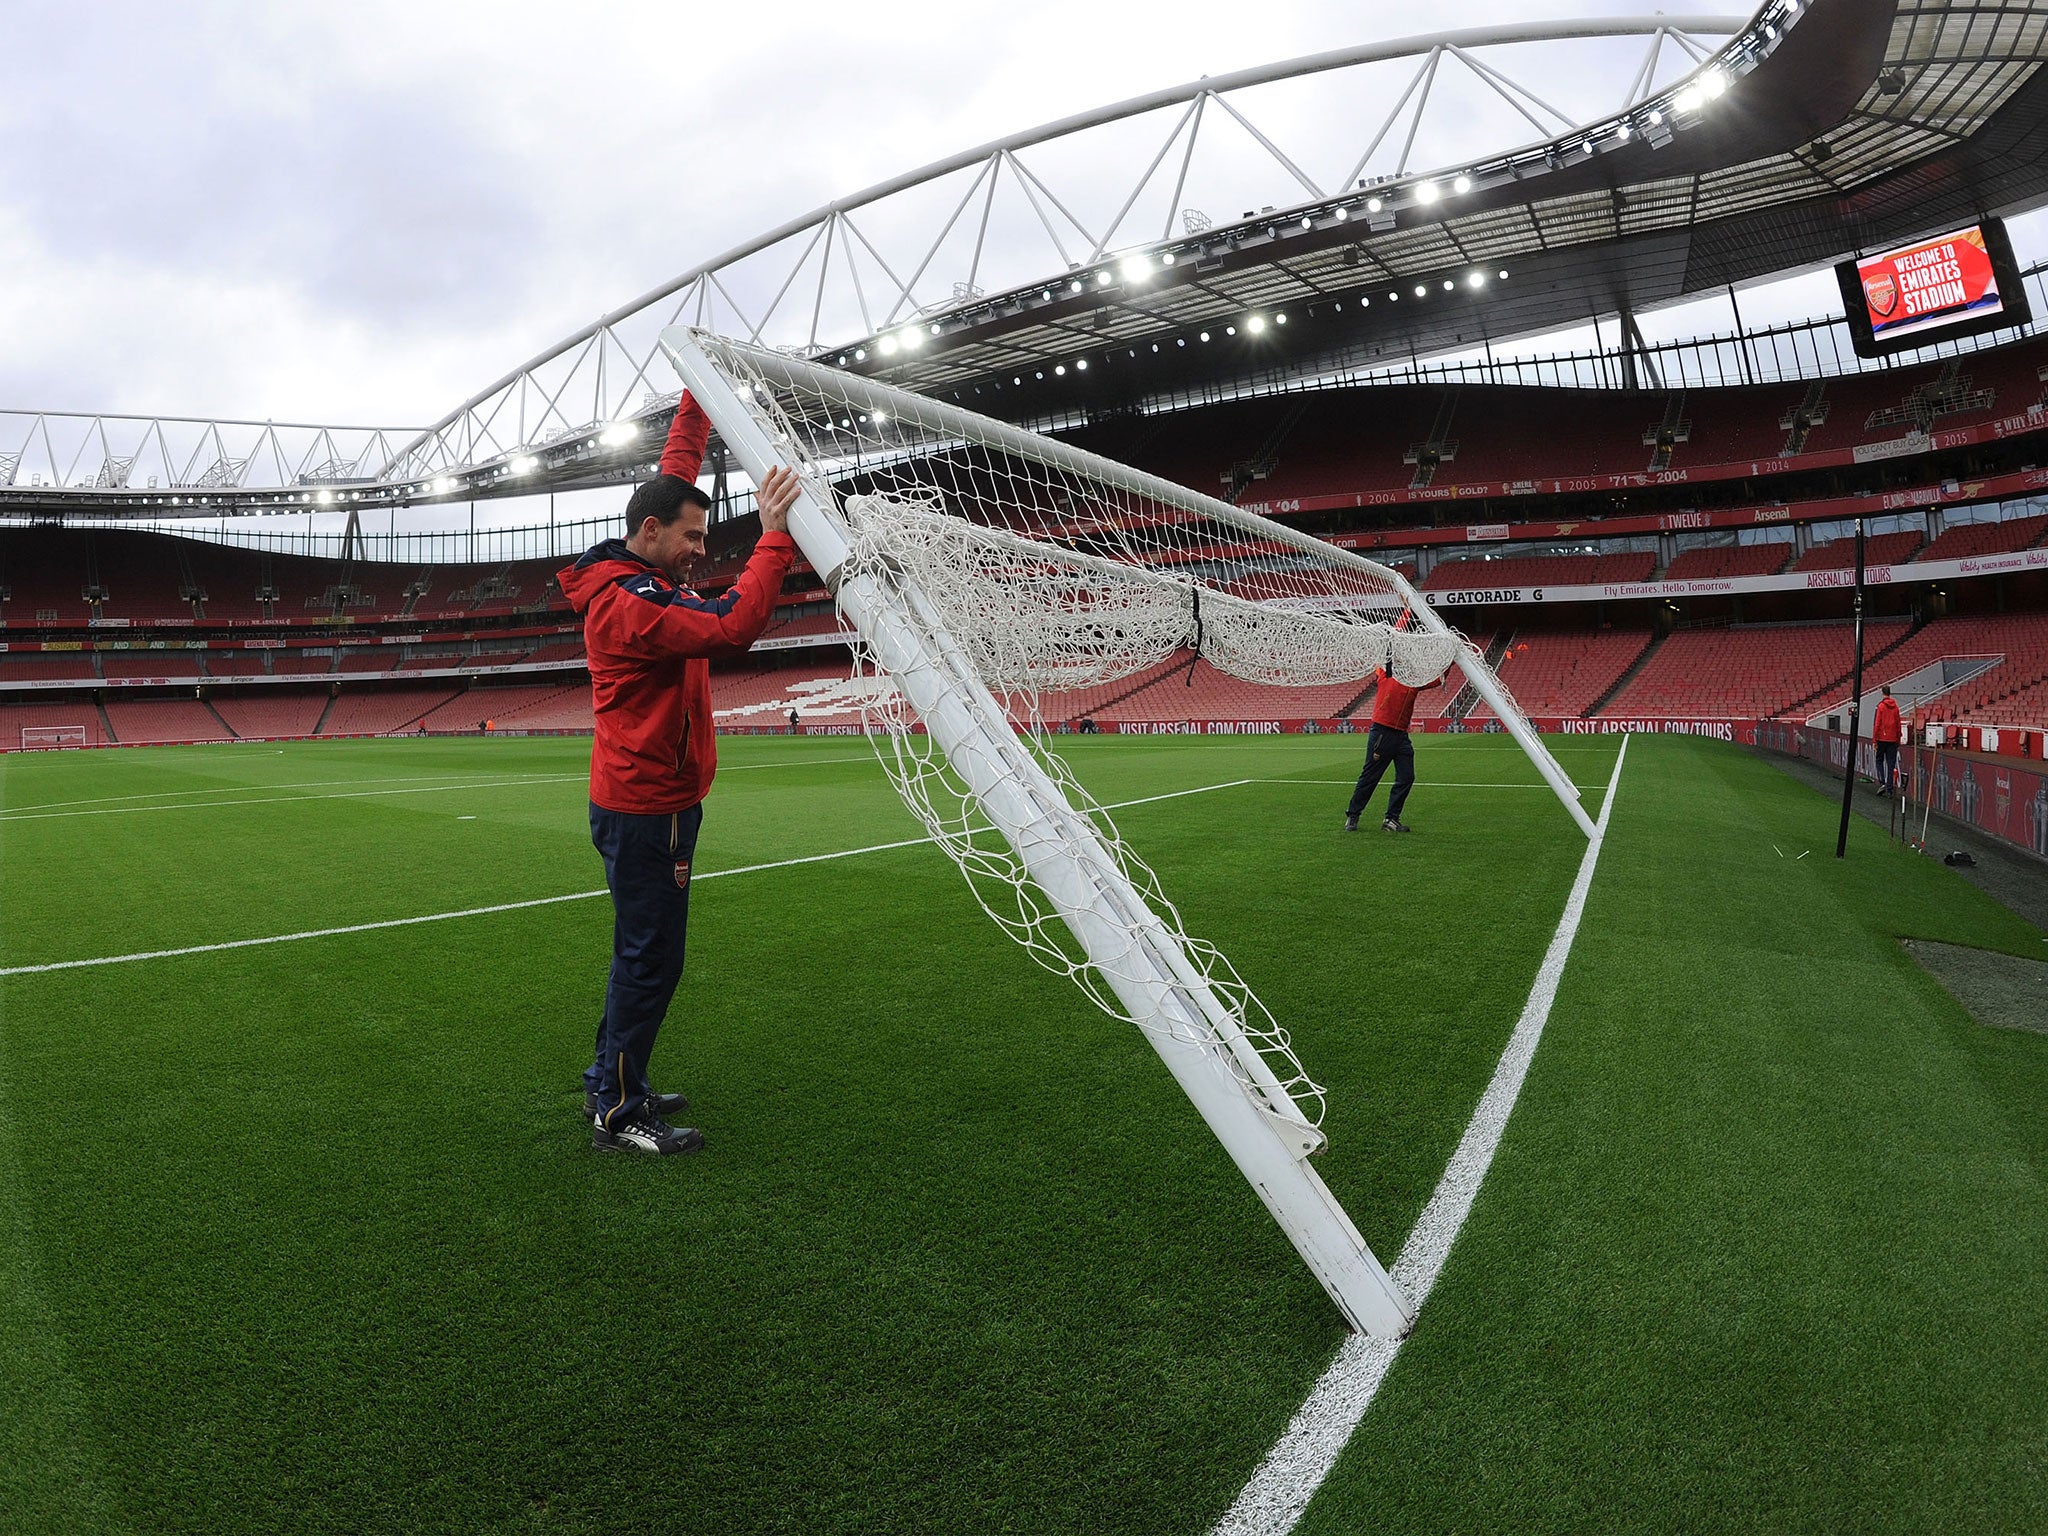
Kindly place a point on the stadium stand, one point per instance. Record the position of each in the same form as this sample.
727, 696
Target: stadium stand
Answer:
273, 712
227, 581
2021, 639
1729, 560
115, 664
1967, 541
300, 664
1745, 670
380, 712
1174, 692
44, 573
529, 706
145, 720
1564, 672
1840, 554
47, 667
139, 576
1542, 571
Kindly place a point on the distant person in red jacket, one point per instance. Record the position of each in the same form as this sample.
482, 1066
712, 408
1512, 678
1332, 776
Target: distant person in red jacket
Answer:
1885, 732
649, 638
1393, 707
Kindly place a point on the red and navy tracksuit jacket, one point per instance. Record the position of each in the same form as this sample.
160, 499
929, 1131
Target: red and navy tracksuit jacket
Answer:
649, 643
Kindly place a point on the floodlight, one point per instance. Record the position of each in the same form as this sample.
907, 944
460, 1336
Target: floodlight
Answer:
1426, 192
1102, 279
1476, 280
1373, 205
525, 464
1074, 286
1420, 290
1462, 185
1135, 268
619, 432
1255, 324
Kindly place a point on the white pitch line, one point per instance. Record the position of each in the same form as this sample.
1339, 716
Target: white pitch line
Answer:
249, 789
228, 805
1280, 1489
50, 807
1419, 784
518, 906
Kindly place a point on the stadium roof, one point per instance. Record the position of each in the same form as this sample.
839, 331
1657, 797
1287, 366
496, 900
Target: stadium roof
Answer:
1815, 130
1862, 123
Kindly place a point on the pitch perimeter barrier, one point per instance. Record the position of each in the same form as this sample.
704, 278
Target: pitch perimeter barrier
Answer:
1999, 799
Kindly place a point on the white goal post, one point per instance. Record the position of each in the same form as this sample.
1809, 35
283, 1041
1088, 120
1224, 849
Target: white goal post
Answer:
36, 738
975, 558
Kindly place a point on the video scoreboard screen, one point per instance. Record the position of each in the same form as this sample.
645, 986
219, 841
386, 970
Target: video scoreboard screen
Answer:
1954, 284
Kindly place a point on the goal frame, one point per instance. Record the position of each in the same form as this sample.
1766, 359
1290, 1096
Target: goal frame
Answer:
77, 736
1139, 956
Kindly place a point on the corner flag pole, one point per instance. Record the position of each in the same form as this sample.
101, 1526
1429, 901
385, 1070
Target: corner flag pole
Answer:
1855, 705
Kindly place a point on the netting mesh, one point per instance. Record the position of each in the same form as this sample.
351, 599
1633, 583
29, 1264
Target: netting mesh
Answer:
1042, 571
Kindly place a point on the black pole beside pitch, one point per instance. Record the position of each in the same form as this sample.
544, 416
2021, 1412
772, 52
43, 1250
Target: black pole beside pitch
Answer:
1855, 705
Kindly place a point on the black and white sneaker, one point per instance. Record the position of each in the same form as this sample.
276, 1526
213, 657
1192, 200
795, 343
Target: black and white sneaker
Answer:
1350, 823
1391, 825
647, 1133
662, 1104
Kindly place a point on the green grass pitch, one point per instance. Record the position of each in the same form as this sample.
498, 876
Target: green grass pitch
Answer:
308, 1236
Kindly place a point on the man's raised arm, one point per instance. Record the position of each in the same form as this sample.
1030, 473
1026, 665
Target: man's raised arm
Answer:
688, 435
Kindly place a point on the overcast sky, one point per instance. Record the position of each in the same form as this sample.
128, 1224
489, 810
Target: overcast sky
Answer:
363, 214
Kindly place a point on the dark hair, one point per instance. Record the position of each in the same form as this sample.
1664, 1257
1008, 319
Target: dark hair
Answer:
663, 499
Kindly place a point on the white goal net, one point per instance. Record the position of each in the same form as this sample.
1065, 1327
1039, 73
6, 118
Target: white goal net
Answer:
995, 575
43, 737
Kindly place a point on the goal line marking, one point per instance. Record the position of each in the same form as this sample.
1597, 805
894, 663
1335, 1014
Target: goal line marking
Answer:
438, 781
1280, 1488
357, 794
520, 906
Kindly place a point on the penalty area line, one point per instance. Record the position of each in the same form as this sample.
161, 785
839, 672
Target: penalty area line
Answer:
520, 906
1280, 1488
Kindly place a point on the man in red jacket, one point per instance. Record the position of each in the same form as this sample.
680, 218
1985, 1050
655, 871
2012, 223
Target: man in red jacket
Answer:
1393, 709
1884, 731
649, 639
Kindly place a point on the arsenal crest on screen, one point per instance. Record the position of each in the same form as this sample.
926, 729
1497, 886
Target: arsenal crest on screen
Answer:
1883, 294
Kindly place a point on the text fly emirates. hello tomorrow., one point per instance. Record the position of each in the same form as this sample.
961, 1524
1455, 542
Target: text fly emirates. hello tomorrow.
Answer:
1931, 279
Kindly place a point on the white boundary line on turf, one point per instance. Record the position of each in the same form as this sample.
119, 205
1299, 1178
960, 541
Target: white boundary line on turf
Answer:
23, 812
1281, 1487
1419, 784
519, 906
228, 805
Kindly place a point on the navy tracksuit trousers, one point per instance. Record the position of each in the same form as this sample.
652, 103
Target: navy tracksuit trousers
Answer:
1385, 746
647, 867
